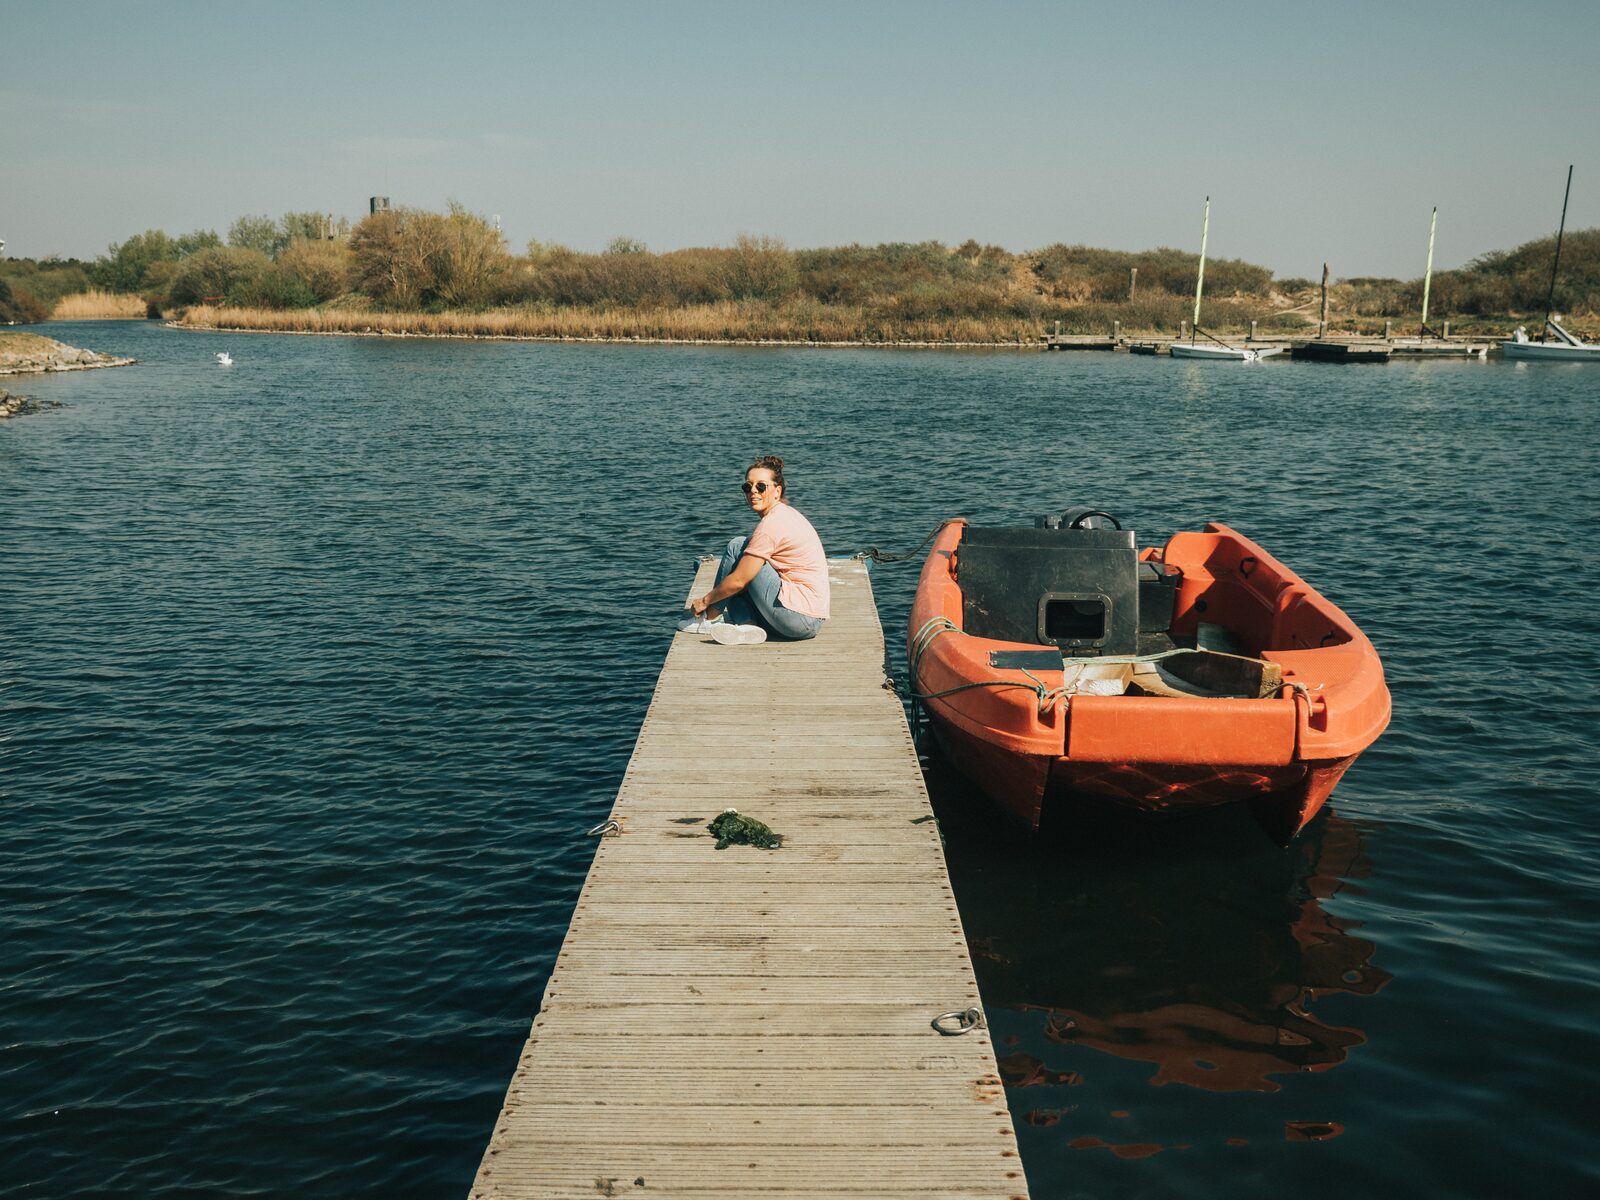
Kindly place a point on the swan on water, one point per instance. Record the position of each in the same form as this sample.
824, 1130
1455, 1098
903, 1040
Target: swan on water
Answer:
224, 358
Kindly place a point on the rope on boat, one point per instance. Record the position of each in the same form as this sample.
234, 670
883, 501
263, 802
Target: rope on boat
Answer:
925, 637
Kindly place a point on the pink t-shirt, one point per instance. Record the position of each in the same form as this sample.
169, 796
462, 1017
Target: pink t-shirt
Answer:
786, 540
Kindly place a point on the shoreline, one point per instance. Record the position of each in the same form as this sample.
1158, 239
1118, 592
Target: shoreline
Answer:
718, 327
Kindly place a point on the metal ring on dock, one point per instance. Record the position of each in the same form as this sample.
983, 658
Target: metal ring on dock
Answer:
966, 1020
604, 828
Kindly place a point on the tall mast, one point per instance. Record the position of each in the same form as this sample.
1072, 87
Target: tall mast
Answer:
1200, 279
1427, 278
1550, 299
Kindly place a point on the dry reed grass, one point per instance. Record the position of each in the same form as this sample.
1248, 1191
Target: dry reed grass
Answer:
730, 321
95, 305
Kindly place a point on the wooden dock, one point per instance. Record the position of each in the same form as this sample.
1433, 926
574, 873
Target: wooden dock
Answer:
756, 1023
1342, 348
1329, 350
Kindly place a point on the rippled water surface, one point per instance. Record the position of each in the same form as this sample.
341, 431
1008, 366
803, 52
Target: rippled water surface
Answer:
314, 670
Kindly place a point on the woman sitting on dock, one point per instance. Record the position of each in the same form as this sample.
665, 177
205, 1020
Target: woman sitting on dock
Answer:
773, 583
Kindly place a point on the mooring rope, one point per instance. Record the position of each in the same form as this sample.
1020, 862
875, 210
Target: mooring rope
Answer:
880, 556
925, 637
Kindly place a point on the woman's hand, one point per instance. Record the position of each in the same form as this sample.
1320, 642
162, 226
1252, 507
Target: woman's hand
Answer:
735, 583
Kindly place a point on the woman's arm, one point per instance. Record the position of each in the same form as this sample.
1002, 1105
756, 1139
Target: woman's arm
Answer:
738, 579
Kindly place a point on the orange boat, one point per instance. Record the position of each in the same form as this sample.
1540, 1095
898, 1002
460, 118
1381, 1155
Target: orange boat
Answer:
1061, 661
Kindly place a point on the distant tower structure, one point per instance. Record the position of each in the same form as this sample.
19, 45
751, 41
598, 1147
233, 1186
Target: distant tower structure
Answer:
380, 204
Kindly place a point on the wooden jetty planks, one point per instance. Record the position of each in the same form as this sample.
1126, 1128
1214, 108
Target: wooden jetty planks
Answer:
756, 1023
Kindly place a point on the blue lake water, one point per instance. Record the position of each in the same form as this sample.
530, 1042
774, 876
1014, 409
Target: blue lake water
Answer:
313, 671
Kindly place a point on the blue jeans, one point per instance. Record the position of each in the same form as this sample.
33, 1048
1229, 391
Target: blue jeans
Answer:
758, 603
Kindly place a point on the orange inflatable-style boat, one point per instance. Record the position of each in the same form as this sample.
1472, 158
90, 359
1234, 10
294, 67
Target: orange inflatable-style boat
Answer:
1061, 660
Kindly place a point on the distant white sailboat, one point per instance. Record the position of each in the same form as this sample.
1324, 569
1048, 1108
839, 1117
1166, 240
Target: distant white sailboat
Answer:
1215, 348
1565, 347
224, 358
1218, 350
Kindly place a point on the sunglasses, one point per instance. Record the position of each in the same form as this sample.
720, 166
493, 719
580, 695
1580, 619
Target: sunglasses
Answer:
760, 485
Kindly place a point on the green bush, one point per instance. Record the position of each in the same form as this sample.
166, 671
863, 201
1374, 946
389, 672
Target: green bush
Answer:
275, 287
46, 280
18, 307
215, 271
1518, 281
321, 268
143, 263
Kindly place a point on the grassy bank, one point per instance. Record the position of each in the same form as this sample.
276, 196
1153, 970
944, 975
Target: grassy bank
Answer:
800, 322
725, 322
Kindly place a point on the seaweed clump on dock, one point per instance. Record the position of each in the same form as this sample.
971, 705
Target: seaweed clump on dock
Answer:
733, 829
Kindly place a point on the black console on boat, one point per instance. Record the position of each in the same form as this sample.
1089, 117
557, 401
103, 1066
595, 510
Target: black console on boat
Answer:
1073, 580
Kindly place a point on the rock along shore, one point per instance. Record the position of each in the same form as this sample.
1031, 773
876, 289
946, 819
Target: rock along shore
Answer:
16, 406
29, 353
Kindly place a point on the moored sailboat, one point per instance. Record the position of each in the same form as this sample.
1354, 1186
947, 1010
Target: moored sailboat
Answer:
1565, 347
1215, 348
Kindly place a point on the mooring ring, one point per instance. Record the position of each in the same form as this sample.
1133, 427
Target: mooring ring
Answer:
965, 1020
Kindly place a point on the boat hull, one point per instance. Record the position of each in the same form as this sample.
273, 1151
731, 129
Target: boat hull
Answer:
1284, 800
1550, 352
1221, 353
1038, 753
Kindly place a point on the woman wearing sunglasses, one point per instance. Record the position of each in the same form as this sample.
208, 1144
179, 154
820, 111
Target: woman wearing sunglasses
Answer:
773, 583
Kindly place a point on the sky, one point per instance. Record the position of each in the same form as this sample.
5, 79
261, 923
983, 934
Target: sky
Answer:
1322, 133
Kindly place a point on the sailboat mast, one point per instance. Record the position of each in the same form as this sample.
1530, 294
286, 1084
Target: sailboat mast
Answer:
1200, 279
1550, 299
1427, 278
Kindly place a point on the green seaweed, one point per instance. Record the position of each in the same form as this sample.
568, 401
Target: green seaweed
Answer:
733, 829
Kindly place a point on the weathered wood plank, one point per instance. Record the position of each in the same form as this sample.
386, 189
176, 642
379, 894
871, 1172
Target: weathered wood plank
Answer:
756, 1023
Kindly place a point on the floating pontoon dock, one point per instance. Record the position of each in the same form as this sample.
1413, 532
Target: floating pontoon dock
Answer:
1337, 348
751, 1023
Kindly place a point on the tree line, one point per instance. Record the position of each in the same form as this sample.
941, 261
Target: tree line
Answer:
414, 260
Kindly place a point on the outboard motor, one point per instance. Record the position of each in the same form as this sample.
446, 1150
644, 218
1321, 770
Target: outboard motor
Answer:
1072, 581
1078, 518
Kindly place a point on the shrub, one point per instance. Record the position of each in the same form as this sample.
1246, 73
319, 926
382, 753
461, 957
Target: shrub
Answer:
408, 258
46, 280
122, 268
215, 271
275, 287
322, 269
18, 307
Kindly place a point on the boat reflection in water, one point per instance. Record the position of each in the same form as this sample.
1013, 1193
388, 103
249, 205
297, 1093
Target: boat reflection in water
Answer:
1193, 945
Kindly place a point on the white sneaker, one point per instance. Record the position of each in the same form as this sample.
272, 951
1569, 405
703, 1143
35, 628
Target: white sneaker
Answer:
693, 624
738, 635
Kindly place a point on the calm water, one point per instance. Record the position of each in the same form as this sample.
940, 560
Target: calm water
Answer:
315, 669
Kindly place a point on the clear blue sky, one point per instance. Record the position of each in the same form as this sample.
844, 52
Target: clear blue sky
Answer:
1320, 131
